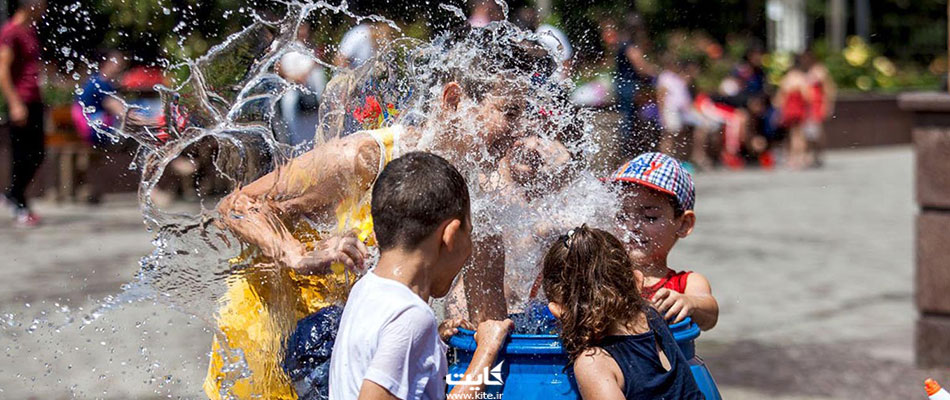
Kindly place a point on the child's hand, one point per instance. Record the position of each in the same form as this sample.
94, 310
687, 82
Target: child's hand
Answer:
491, 335
450, 327
346, 249
674, 305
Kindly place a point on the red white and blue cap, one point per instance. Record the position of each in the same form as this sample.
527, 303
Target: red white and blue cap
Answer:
660, 172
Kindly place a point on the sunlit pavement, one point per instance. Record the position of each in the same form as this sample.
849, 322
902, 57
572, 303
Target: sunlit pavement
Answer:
814, 274
813, 271
81, 254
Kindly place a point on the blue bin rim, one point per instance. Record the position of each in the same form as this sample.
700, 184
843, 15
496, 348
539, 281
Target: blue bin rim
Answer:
520, 343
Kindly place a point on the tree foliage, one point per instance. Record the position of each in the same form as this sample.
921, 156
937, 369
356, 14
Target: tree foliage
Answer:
160, 29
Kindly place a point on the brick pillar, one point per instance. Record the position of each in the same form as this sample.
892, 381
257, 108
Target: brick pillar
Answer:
931, 137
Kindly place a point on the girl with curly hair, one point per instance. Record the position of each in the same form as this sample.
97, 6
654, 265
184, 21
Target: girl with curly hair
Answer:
619, 346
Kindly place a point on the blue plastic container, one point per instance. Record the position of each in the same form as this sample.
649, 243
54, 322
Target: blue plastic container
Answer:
533, 365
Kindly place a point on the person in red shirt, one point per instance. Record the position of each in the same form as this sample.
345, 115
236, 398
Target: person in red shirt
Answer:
19, 84
657, 211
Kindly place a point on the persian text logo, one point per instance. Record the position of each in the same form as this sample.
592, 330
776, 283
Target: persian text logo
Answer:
473, 382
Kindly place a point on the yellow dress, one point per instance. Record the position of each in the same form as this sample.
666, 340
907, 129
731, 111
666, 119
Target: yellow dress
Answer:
263, 304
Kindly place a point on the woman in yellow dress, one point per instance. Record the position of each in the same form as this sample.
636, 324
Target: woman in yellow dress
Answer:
263, 304
292, 273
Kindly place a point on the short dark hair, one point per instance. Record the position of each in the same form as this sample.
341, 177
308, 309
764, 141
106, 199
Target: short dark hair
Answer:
413, 195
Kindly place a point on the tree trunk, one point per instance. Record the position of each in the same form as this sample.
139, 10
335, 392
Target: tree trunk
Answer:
862, 18
836, 24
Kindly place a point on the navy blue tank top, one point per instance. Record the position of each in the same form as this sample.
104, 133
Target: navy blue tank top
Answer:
643, 375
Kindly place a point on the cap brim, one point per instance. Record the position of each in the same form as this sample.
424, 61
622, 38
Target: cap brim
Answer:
641, 182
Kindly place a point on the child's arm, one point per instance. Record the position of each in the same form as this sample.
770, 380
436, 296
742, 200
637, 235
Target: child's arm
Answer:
372, 391
484, 281
598, 376
311, 184
489, 339
697, 302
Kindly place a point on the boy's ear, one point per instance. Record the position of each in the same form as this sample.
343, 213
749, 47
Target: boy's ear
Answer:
451, 96
450, 234
556, 309
687, 222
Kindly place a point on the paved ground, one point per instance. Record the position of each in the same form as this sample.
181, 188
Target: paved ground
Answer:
813, 271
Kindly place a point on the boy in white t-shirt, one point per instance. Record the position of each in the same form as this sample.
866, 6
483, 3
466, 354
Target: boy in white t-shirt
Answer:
388, 344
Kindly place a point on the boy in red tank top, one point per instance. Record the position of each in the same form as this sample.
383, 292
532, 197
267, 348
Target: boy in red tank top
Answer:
658, 197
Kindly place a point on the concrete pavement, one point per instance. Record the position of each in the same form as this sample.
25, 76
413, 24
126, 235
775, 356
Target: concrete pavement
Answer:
813, 271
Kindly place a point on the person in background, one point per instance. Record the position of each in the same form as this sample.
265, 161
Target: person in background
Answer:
299, 107
793, 99
726, 106
763, 128
554, 39
19, 84
356, 47
750, 71
679, 116
610, 37
823, 93
634, 76
95, 107
483, 12
95, 110
361, 43
557, 41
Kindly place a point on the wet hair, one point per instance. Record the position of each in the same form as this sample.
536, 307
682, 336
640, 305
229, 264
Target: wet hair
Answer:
413, 195
588, 272
512, 54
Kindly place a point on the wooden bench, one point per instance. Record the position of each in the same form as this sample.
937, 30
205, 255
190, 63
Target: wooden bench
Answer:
70, 156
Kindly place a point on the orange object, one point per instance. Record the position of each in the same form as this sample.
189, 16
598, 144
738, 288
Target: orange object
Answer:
934, 391
932, 387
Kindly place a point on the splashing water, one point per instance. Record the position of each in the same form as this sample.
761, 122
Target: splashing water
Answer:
530, 173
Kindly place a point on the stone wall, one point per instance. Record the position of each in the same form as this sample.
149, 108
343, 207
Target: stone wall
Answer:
867, 120
931, 138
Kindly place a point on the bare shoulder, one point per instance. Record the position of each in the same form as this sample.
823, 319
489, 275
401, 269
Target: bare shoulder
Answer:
598, 375
319, 179
594, 364
360, 146
697, 282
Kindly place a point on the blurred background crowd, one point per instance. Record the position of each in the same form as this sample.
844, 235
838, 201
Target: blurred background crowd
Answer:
728, 84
